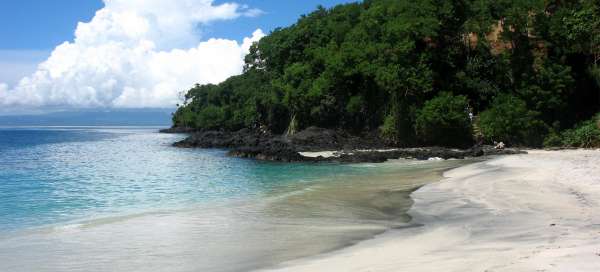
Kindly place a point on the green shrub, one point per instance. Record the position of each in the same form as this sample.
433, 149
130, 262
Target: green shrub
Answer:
444, 121
210, 117
553, 140
246, 116
389, 129
184, 117
355, 104
585, 135
398, 127
508, 120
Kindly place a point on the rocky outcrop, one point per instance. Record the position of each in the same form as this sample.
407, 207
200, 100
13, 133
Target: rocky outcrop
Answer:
226, 139
178, 130
265, 146
422, 153
318, 139
273, 150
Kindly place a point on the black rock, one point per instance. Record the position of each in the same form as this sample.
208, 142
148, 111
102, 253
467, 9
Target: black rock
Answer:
262, 145
175, 130
372, 157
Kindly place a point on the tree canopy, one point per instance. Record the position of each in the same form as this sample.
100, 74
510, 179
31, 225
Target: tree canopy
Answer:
375, 64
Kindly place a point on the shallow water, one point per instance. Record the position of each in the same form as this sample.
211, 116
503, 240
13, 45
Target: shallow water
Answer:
123, 199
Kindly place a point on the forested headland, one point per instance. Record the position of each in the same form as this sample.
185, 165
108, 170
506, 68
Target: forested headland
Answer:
431, 72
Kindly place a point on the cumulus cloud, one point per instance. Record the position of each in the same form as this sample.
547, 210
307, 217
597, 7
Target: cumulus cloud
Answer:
3, 88
133, 54
16, 64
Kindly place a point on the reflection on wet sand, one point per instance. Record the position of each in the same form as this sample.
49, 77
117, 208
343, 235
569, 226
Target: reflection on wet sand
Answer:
294, 221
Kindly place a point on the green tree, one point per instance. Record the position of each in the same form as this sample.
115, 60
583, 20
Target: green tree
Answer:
445, 121
509, 120
525, 65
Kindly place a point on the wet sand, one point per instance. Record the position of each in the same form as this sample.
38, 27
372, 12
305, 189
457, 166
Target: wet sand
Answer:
534, 212
296, 221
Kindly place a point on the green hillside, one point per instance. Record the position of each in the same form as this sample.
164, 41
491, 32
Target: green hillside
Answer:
414, 70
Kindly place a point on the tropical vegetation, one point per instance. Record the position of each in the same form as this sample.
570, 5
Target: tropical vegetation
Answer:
420, 72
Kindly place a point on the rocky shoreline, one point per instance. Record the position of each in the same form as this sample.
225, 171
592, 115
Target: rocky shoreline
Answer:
260, 145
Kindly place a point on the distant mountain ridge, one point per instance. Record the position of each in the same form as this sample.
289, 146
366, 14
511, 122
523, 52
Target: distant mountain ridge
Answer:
120, 117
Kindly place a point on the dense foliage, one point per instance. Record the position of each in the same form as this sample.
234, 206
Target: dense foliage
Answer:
529, 67
444, 120
508, 120
585, 134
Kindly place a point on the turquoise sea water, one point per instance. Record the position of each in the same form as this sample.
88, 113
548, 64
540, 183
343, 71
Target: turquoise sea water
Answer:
124, 199
54, 175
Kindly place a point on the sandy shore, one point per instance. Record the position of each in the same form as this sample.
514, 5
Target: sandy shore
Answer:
535, 212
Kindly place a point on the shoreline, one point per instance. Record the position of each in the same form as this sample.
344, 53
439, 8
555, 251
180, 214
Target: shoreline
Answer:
306, 218
325, 145
531, 212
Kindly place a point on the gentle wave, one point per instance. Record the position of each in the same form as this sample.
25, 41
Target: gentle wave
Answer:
126, 200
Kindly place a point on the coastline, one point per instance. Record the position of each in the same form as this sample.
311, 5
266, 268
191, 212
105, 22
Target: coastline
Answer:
532, 212
316, 144
286, 211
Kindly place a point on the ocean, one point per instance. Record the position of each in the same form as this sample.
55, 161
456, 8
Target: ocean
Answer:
124, 199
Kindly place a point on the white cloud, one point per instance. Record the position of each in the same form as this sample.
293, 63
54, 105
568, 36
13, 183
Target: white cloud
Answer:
3, 88
135, 53
16, 64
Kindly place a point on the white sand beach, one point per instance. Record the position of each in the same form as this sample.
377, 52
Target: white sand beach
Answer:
534, 212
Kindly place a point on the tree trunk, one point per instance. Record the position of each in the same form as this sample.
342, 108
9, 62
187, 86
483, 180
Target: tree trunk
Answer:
293, 127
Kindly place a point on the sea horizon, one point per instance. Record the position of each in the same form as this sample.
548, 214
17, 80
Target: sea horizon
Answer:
299, 136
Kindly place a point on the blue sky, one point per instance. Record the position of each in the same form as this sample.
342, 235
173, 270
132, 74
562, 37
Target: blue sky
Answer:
278, 13
77, 73
42, 24
30, 29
